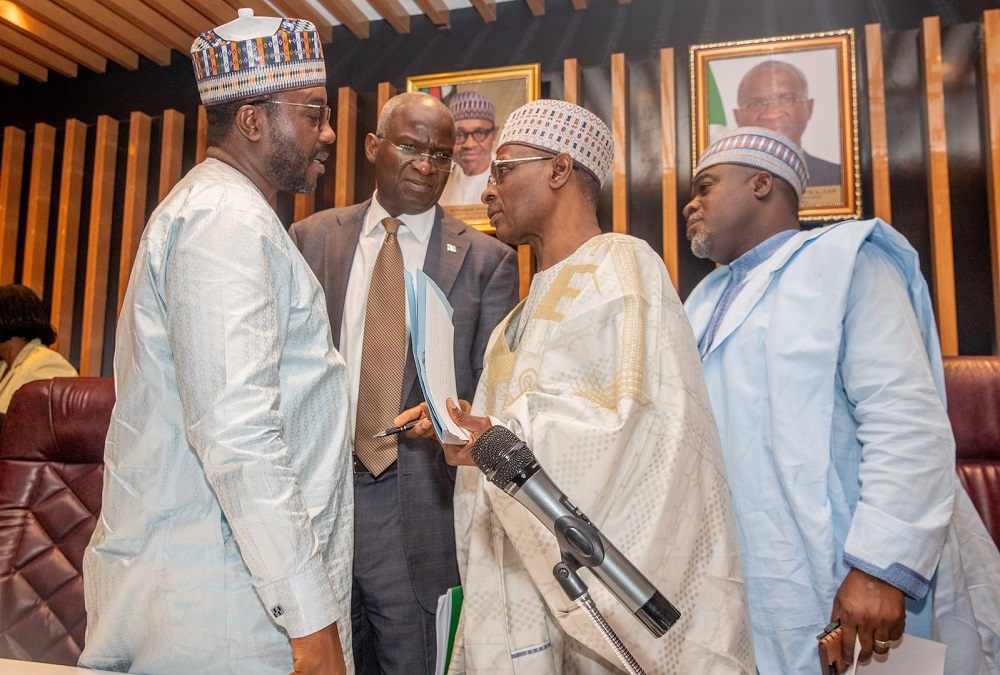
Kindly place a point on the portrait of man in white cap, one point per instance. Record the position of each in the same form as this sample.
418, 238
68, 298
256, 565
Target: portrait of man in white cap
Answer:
225, 536
597, 372
475, 133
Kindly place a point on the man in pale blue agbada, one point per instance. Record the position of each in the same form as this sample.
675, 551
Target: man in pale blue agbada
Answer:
824, 370
226, 533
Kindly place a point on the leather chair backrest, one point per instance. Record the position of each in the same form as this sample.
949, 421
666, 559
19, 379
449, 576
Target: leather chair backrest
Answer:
51, 476
973, 387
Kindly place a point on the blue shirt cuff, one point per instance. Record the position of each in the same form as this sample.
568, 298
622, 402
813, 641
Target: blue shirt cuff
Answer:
900, 576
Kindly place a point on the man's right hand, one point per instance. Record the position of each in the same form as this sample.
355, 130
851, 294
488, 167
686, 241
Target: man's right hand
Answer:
319, 653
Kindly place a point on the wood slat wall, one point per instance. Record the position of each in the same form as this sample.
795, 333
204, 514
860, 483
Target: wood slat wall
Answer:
70, 253
95, 293
619, 131
876, 120
347, 125
68, 233
11, 175
668, 156
991, 102
36, 236
136, 178
938, 191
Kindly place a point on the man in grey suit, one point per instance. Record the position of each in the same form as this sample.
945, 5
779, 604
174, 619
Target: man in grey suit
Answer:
404, 552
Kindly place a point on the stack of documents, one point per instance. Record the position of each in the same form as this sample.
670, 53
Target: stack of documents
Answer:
432, 336
449, 610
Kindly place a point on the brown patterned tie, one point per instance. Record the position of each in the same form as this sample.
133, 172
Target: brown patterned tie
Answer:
383, 355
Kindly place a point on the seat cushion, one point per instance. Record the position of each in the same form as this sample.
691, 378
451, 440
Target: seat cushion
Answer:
973, 388
51, 476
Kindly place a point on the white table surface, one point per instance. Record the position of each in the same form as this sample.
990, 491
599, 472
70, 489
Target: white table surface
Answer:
10, 667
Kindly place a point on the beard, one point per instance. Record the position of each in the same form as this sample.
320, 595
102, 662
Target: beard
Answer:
289, 170
701, 244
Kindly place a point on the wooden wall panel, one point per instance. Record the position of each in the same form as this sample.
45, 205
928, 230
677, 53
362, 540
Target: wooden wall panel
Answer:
385, 92
171, 151
11, 176
668, 152
939, 194
876, 116
36, 235
68, 234
95, 294
619, 131
571, 81
347, 125
991, 101
136, 179
201, 144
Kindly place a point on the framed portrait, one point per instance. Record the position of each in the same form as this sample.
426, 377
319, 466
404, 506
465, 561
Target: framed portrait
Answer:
481, 101
803, 86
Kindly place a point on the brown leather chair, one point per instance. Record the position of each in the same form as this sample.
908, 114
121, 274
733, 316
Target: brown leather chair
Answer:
973, 386
51, 475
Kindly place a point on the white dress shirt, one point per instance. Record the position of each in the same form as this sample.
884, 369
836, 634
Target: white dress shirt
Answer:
413, 240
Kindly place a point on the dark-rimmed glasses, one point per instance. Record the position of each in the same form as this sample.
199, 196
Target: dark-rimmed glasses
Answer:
498, 167
411, 153
478, 135
324, 117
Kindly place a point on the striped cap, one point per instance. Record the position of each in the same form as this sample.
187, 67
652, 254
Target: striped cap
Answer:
252, 56
471, 105
558, 126
759, 148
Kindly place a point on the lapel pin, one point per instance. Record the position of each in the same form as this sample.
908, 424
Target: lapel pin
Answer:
452, 248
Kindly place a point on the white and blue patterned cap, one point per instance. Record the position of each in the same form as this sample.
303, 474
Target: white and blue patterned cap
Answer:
759, 148
256, 55
558, 126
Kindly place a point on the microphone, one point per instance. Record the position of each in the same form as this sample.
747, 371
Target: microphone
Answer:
510, 465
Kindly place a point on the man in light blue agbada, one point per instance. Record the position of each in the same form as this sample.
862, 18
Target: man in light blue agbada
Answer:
824, 370
226, 533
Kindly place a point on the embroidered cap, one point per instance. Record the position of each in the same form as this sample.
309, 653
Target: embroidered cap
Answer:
759, 148
558, 126
256, 55
471, 105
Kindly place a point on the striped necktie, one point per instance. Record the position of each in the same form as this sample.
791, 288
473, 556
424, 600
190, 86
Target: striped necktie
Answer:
383, 355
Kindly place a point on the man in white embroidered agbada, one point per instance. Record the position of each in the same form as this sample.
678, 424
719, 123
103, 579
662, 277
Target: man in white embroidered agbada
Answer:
598, 373
225, 538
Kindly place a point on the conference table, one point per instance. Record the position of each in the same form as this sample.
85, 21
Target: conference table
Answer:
11, 667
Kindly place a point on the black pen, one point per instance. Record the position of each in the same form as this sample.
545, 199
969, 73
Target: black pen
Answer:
397, 430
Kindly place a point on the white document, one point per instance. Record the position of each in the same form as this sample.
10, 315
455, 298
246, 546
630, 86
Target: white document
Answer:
432, 336
912, 656
442, 624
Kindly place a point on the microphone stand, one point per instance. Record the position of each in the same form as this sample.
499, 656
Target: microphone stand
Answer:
580, 546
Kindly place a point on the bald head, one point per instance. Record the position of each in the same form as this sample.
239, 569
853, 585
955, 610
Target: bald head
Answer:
774, 95
415, 98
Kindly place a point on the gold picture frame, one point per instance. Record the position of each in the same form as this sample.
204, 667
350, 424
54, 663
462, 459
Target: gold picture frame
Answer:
803, 85
508, 88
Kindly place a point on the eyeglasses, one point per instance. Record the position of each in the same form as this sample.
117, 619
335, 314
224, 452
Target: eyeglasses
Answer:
324, 114
498, 168
478, 135
778, 102
411, 153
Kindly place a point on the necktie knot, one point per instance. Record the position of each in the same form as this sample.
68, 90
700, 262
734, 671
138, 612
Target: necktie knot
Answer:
391, 226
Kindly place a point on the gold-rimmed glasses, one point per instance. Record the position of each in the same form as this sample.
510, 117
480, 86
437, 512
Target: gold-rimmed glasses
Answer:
412, 153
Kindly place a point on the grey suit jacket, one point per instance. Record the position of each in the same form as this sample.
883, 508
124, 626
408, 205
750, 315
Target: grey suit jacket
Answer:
479, 277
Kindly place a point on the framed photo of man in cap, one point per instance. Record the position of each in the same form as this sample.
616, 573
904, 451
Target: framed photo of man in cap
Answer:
480, 101
801, 86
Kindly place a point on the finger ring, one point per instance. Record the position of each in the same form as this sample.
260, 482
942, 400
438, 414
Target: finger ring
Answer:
882, 644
